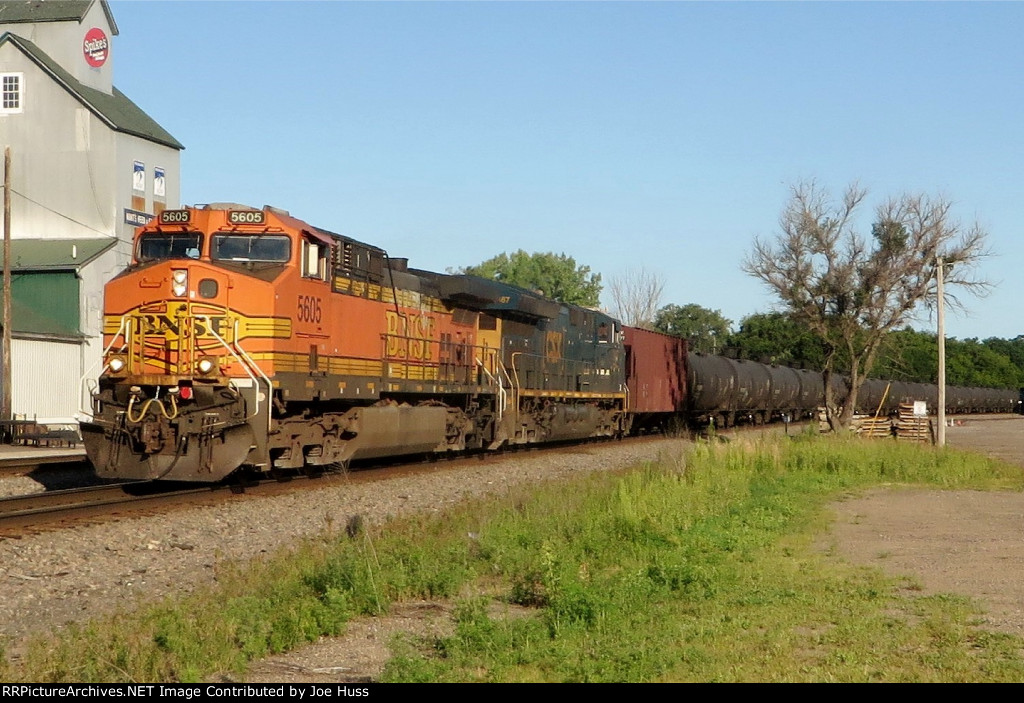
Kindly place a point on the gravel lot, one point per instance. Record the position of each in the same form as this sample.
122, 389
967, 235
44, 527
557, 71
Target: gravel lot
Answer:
966, 542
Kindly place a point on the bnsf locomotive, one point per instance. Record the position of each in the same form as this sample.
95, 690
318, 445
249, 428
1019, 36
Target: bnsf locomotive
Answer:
248, 338
243, 337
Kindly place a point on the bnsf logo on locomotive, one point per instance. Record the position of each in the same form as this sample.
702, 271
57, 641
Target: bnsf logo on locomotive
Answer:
410, 336
170, 327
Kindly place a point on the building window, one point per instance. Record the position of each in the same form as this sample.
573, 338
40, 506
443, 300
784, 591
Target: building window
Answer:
11, 98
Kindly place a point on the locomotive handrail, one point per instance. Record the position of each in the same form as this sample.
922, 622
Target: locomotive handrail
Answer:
245, 361
502, 396
514, 385
85, 376
249, 360
571, 370
515, 372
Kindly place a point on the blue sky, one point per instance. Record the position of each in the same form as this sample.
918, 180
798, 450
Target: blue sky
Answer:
625, 134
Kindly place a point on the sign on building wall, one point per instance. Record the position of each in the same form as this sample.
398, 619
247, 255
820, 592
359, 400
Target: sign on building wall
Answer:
159, 183
136, 218
139, 186
139, 177
96, 47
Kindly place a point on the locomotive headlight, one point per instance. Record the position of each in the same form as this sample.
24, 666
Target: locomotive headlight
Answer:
179, 282
206, 365
116, 365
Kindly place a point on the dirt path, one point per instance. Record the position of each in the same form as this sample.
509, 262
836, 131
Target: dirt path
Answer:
966, 542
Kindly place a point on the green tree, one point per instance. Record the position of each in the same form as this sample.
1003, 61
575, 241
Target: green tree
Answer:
971, 363
777, 338
556, 276
1012, 349
909, 355
706, 329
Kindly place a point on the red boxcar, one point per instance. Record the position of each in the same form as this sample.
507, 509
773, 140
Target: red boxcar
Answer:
655, 372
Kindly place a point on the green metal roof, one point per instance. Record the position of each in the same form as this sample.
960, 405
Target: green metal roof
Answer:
120, 113
51, 11
55, 254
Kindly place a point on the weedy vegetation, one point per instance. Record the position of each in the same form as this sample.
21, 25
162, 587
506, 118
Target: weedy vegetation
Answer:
699, 567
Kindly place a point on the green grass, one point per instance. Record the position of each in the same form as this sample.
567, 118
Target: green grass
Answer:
699, 567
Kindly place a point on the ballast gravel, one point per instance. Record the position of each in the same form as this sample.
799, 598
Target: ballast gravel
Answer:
71, 575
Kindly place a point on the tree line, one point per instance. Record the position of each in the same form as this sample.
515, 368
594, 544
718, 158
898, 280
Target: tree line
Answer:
904, 355
771, 338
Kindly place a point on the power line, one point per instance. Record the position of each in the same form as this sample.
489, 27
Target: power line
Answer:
60, 214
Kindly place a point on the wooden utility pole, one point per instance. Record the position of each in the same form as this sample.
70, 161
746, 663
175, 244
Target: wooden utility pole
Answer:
940, 313
5, 401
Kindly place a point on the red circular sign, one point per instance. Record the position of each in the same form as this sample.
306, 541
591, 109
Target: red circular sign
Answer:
96, 47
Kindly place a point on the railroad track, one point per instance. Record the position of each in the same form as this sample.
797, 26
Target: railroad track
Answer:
50, 509
57, 509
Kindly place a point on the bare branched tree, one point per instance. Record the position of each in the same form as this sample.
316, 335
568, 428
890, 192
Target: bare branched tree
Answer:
851, 290
636, 295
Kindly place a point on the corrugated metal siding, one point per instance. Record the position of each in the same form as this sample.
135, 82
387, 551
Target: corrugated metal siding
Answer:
45, 380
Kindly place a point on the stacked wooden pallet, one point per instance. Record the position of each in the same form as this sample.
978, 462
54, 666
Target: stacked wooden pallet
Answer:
864, 425
917, 428
872, 426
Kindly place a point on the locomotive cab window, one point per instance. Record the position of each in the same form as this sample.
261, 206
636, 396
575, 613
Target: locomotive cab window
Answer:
314, 259
263, 248
160, 245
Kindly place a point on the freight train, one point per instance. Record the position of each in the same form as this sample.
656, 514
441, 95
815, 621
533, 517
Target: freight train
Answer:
244, 338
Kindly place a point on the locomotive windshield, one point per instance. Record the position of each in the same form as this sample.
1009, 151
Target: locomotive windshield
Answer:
240, 247
180, 245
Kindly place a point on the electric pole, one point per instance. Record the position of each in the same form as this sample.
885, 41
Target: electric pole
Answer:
5, 402
940, 436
